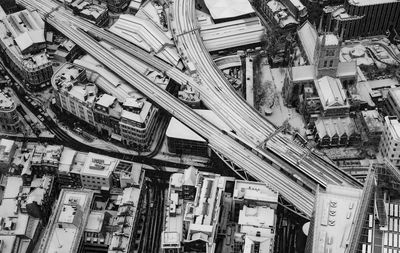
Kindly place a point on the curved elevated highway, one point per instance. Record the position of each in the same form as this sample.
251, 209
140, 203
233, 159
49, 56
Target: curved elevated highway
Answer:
276, 169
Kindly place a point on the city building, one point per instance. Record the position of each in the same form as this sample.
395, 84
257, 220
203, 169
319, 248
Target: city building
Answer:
93, 12
372, 125
70, 166
278, 14
393, 102
96, 172
121, 113
333, 97
320, 87
22, 45
107, 114
7, 151
74, 93
148, 36
65, 51
335, 211
137, 122
117, 5
335, 132
232, 34
182, 140
200, 216
134, 6
67, 224
9, 118
390, 140
45, 160
19, 231
296, 8
254, 208
362, 18
247, 210
189, 96
8, 5
37, 198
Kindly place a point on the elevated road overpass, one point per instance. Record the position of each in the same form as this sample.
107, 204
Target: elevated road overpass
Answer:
245, 120
269, 167
227, 146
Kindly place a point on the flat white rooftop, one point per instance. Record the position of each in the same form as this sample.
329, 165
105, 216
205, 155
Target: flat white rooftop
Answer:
99, 165
371, 2
335, 211
228, 8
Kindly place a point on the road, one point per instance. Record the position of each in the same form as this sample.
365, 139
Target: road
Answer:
295, 160
243, 157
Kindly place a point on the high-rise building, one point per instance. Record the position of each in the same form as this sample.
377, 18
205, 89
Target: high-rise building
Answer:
362, 18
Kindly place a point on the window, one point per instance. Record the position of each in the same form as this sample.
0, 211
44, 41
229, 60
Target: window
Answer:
330, 52
325, 63
330, 63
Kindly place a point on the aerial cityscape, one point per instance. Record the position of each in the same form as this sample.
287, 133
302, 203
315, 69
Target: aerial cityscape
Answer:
199, 126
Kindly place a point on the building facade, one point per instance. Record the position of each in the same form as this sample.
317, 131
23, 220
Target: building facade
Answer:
378, 17
389, 146
74, 93
9, 118
137, 123
23, 54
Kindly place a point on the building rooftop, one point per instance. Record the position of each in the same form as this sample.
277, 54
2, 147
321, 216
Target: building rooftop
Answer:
346, 69
99, 165
335, 126
136, 109
373, 120
303, 73
254, 191
105, 79
106, 100
67, 224
6, 103
281, 14
331, 92
330, 39
228, 8
27, 28
71, 79
259, 216
308, 37
178, 130
19, 33
128, 206
141, 32
6, 147
66, 160
334, 215
87, 8
370, 2
95, 221
15, 223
